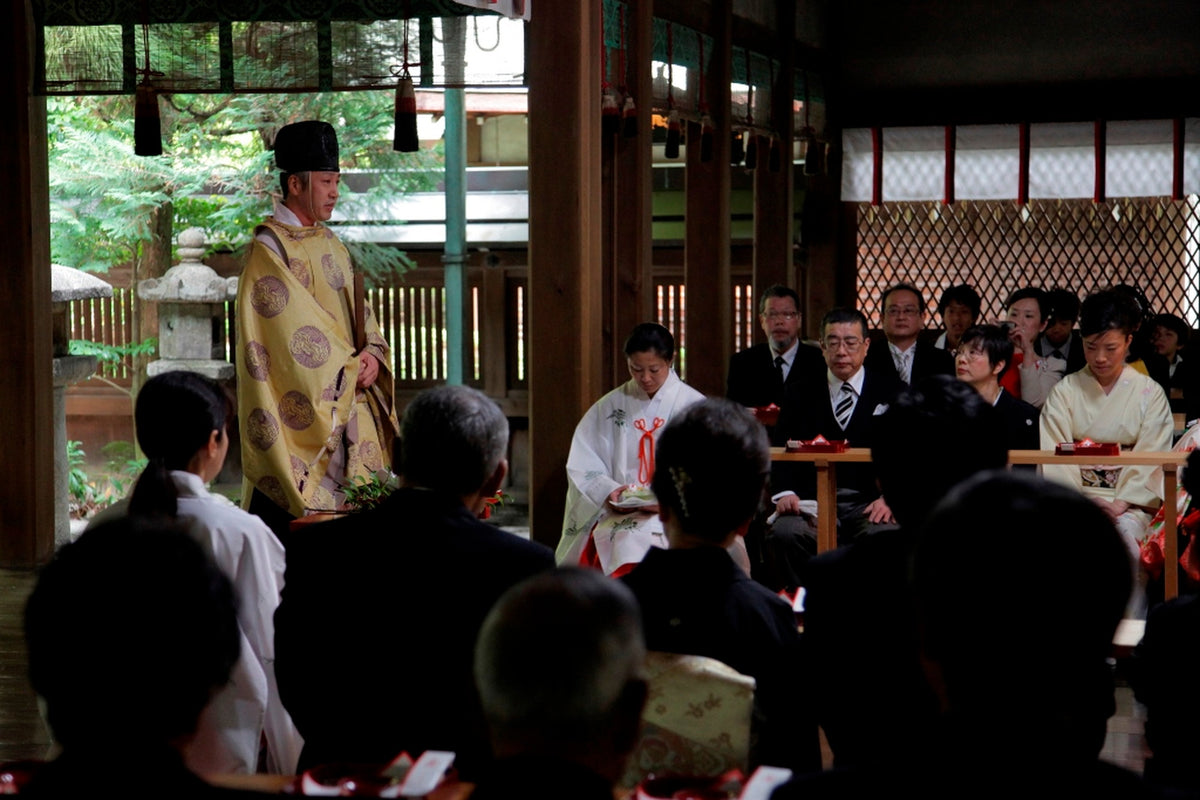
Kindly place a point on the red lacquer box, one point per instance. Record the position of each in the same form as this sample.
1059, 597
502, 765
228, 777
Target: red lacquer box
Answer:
817, 445
1087, 448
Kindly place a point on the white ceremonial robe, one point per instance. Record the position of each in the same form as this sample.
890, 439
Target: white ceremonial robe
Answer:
604, 456
242, 546
1136, 415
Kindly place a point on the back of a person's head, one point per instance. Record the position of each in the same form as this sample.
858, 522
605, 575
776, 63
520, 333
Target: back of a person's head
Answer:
1009, 559
130, 629
934, 434
452, 439
559, 656
711, 465
175, 414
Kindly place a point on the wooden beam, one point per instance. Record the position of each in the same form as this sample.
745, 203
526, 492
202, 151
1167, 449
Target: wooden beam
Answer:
773, 191
26, 394
709, 327
565, 276
633, 285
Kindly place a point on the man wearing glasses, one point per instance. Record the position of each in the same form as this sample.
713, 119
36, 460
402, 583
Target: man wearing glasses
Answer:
908, 358
760, 375
844, 406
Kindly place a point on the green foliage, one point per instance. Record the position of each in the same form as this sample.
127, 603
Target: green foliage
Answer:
363, 493
123, 465
77, 477
217, 170
112, 353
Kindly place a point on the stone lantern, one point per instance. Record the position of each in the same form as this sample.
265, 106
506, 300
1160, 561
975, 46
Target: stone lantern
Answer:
67, 284
190, 313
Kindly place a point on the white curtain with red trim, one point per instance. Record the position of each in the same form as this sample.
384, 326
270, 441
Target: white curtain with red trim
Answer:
1139, 161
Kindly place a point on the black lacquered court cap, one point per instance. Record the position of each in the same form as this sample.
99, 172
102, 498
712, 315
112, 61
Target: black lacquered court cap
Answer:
307, 146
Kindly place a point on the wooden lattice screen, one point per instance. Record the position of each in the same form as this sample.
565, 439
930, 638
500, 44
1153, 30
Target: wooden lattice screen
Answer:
998, 246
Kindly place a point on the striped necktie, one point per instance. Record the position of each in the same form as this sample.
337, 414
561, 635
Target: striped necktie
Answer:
845, 406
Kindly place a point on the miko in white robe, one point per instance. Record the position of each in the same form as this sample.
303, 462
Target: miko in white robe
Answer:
1134, 414
235, 721
613, 447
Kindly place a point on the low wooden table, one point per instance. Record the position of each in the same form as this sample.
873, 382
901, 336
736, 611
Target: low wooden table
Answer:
1168, 460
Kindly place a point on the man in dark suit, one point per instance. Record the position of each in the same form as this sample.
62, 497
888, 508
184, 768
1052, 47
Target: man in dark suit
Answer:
984, 355
376, 626
901, 352
845, 405
760, 375
560, 668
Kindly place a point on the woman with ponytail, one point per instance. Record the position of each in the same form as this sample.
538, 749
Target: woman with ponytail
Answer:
182, 426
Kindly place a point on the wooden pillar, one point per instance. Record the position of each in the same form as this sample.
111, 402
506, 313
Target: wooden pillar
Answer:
709, 325
631, 200
26, 359
773, 203
565, 275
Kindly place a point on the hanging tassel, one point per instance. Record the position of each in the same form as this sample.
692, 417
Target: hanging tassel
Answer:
147, 127
629, 118
673, 135
737, 150
775, 157
610, 113
751, 150
405, 138
706, 138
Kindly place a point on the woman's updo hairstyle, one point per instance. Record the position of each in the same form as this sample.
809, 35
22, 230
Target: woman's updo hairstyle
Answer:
650, 336
1108, 310
711, 468
175, 414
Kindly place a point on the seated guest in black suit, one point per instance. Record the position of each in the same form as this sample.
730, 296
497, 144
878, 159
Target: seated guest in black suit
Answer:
846, 405
959, 308
559, 668
874, 703
379, 612
130, 630
1059, 343
984, 355
710, 476
760, 375
972, 595
1170, 337
901, 352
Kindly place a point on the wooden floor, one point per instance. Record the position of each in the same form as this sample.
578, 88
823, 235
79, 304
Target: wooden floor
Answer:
22, 734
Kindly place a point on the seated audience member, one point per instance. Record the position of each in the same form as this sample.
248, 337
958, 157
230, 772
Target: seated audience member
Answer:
1163, 662
901, 352
130, 631
710, 477
761, 374
1169, 339
984, 355
1142, 355
182, 427
1060, 345
559, 668
375, 632
1030, 376
1064, 606
873, 702
846, 405
1110, 401
959, 308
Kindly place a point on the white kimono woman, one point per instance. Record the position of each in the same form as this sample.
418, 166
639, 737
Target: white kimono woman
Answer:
613, 447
